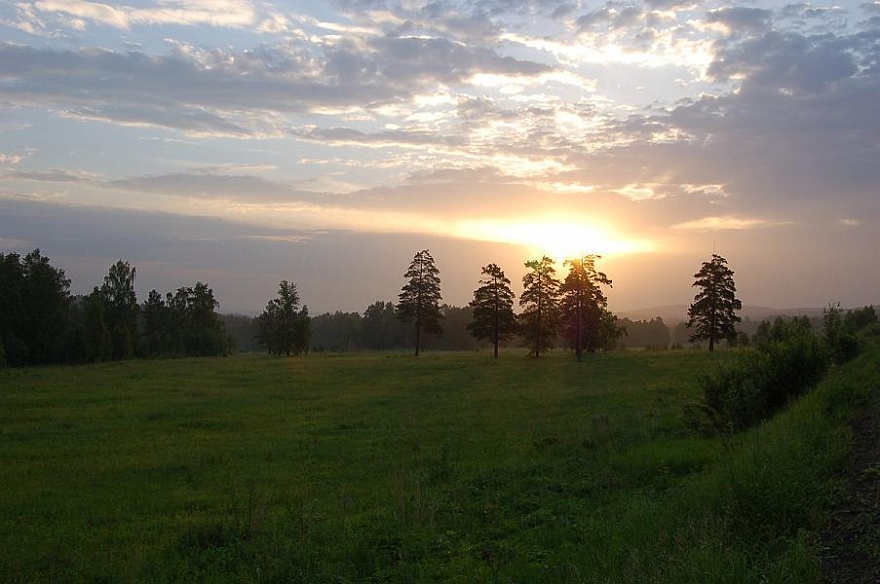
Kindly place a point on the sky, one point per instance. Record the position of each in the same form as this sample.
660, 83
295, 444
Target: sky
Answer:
245, 142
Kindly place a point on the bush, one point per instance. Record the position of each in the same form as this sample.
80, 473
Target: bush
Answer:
762, 381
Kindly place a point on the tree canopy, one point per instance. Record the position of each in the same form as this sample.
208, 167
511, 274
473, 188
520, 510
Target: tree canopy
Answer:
120, 309
539, 320
419, 299
713, 312
586, 322
283, 327
35, 301
493, 316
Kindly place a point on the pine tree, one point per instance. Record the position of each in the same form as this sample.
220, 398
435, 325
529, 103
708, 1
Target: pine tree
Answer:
712, 314
493, 318
419, 299
539, 320
585, 306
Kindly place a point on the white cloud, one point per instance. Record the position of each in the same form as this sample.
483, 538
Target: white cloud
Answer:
725, 223
221, 13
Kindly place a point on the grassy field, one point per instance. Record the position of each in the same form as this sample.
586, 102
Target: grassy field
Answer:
383, 467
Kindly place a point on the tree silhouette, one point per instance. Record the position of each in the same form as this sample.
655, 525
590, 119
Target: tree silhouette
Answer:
419, 299
539, 320
121, 308
493, 318
283, 328
712, 314
381, 329
34, 309
585, 306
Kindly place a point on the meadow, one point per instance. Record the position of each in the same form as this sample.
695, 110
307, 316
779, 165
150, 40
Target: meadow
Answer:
383, 467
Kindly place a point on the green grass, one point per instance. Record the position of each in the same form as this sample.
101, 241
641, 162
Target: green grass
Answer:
375, 467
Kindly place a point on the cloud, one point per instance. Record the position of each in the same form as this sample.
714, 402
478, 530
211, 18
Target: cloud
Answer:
211, 186
725, 223
246, 92
740, 19
220, 13
402, 118
10, 158
53, 175
787, 62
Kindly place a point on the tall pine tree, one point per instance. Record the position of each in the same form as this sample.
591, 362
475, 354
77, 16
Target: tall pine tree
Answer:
493, 318
585, 306
539, 321
713, 313
419, 299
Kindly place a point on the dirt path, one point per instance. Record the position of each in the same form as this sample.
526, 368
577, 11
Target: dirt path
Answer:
852, 538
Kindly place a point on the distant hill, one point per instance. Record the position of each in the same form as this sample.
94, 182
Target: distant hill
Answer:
674, 314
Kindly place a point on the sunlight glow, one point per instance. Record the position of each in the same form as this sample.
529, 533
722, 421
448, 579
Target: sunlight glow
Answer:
558, 239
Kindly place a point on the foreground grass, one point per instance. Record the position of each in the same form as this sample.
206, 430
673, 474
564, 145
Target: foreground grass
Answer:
384, 467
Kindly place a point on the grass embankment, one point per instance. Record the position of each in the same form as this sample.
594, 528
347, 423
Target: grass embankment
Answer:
372, 467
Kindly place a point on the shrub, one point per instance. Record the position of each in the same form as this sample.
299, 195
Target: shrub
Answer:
762, 381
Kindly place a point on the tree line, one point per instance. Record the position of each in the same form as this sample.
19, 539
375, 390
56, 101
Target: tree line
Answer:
41, 322
572, 311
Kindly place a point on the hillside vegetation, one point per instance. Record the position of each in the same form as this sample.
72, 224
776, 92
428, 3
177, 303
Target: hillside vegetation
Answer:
375, 467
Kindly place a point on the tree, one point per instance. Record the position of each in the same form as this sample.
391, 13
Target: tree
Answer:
156, 325
203, 330
34, 309
283, 328
650, 334
455, 332
12, 290
585, 306
97, 336
419, 299
712, 314
493, 318
539, 320
339, 331
381, 329
121, 306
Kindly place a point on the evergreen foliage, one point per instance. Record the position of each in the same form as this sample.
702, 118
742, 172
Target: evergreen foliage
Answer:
493, 316
840, 330
539, 320
338, 331
34, 309
121, 309
586, 322
381, 329
419, 299
650, 334
713, 313
284, 327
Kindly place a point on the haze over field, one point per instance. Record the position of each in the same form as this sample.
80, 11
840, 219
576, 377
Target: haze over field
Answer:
241, 143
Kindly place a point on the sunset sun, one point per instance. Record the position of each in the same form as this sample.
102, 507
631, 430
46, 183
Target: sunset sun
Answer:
558, 239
